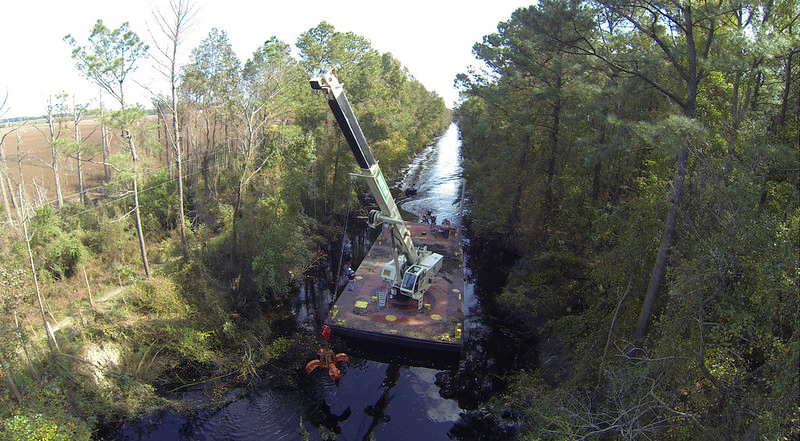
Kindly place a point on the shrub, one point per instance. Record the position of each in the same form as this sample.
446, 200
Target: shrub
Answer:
42, 415
160, 296
40, 427
56, 243
284, 253
159, 205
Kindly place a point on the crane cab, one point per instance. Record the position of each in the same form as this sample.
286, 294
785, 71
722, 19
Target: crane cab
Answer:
418, 278
411, 281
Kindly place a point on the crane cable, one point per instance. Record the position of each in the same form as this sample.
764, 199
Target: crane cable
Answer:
344, 232
347, 214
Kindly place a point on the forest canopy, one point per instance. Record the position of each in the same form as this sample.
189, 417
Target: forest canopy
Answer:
637, 164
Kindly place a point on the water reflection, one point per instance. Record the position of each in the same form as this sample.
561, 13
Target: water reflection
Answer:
388, 402
436, 175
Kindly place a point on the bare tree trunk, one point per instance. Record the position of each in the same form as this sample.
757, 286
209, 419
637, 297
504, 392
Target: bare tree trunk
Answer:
137, 216
33, 272
57, 178
177, 146
9, 378
787, 83
6, 177
6, 191
6, 205
104, 143
126, 133
19, 165
554, 141
54, 126
76, 120
174, 140
611, 328
81, 185
172, 25
41, 194
182, 209
19, 160
4, 173
660, 267
88, 288
691, 71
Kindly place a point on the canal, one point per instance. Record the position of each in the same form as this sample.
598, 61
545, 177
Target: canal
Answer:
378, 397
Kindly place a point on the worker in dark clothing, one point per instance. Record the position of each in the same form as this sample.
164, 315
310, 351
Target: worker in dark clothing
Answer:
351, 276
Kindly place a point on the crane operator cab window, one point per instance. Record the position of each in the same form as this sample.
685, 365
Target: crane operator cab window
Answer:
411, 281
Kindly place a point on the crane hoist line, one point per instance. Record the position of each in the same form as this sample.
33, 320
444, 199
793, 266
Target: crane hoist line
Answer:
412, 269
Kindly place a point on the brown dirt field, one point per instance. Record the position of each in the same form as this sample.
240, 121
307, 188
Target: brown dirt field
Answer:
33, 145
33, 156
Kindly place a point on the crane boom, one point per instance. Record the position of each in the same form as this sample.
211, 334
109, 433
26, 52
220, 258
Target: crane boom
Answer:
412, 274
340, 105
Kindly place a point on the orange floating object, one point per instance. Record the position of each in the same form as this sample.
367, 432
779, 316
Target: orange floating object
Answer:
328, 359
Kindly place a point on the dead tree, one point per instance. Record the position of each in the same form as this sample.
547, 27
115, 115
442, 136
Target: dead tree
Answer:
172, 25
6, 189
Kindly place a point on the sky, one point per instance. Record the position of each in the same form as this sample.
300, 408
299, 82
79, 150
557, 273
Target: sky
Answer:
433, 39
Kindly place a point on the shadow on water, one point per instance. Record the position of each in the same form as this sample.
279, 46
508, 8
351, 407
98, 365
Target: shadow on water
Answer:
385, 393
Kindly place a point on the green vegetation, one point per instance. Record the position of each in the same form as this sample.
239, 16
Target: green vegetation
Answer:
632, 165
265, 185
639, 161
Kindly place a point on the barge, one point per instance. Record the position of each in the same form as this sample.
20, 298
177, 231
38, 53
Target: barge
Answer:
373, 311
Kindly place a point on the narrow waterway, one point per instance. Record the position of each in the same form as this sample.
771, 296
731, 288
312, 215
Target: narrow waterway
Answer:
396, 400
435, 175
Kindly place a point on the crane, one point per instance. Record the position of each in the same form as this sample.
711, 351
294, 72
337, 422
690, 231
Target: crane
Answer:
411, 271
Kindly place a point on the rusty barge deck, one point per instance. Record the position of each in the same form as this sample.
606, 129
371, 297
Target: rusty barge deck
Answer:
368, 313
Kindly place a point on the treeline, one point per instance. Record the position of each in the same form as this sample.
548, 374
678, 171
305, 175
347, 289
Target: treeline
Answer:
254, 191
271, 152
633, 171
241, 136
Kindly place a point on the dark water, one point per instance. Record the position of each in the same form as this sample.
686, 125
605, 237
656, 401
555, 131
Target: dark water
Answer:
376, 400
372, 401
